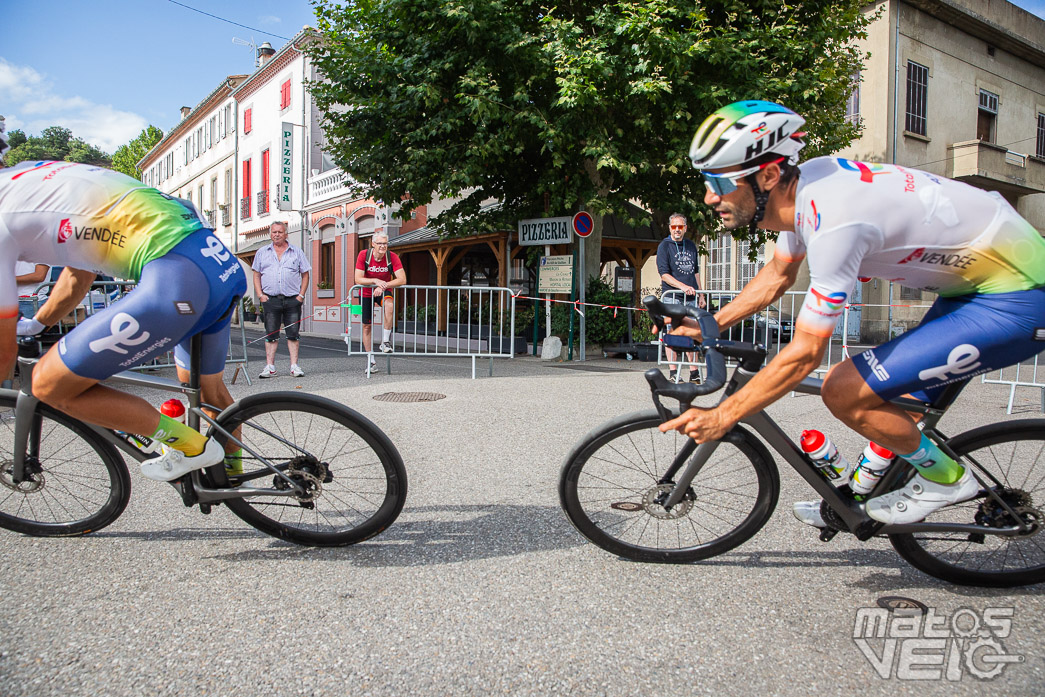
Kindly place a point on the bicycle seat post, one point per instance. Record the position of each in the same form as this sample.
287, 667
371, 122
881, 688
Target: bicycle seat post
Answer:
195, 356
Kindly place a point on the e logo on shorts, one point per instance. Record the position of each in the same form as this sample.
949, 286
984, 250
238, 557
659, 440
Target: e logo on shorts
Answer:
962, 359
215, 250
123, 328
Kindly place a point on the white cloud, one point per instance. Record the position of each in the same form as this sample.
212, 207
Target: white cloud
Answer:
269, 19
30, 103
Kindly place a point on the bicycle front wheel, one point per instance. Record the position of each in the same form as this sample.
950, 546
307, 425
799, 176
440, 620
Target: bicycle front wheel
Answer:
610, 485
354, 476
1014, 453
77, 483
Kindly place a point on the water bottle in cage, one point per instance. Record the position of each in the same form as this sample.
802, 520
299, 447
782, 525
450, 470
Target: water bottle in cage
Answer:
825, 456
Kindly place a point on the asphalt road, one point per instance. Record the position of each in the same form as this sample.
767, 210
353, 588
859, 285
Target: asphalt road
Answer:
482, 586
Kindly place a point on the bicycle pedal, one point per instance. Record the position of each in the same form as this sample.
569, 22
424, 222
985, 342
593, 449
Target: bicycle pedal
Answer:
827, 534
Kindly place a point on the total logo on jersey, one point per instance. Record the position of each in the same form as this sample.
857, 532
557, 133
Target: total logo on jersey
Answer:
867, 171
834, 302
813, 220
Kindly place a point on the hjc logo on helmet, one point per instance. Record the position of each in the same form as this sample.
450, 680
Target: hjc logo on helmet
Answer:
756, 148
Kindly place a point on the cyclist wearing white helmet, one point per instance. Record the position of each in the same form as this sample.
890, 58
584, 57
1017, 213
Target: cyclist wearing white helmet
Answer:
854, 220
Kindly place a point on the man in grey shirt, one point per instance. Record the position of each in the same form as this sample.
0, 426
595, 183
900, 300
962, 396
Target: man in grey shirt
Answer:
281, 280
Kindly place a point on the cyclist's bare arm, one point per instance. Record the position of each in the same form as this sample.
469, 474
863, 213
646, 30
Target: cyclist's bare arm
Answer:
69, 290
781, 375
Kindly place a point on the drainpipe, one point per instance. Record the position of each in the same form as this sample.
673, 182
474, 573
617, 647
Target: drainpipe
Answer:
896, 128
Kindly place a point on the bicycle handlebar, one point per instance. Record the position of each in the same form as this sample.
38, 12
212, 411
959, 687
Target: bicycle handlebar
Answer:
685, 393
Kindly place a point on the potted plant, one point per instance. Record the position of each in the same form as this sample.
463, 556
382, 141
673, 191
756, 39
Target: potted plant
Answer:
324, 289
250, 313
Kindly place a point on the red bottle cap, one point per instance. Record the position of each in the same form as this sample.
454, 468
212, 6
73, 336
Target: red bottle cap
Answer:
173, 408
880, 451
812, 440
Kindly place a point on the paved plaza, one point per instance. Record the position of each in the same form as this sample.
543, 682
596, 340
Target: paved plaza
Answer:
482, 586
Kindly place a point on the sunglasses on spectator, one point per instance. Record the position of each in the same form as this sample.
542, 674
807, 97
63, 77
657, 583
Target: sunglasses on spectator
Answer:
677, 227
726, 183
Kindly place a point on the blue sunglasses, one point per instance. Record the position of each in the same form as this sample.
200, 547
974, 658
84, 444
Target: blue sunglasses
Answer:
726, 183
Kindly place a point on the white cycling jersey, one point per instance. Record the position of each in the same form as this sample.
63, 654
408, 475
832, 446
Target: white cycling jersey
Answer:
857, 220
90, 218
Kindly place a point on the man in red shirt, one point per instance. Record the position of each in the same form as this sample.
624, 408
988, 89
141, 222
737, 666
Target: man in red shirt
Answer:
381, 270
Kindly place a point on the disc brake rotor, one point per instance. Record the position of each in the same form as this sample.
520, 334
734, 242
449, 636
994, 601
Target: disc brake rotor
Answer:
33, 484
652, 498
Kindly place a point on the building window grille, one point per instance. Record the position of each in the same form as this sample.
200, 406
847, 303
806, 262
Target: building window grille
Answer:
1040, 149
746, 269
719, 262
917, 98
852, 105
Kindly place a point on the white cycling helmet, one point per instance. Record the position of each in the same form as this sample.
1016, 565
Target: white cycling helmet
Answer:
743, 131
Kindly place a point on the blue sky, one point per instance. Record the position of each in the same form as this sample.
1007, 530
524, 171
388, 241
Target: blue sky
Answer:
107, 69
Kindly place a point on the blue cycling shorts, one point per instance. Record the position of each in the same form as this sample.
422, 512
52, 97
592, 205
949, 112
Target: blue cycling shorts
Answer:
958, 338
187, 291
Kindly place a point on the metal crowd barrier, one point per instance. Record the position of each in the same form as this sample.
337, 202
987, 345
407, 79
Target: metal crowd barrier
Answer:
473, 322
1018, 377
102, 295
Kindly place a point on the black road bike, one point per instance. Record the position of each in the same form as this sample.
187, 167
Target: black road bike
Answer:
315, 472
660, 497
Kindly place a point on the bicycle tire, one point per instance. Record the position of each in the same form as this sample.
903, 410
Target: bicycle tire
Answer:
82, 486
1015, 454
611, 475
367, 487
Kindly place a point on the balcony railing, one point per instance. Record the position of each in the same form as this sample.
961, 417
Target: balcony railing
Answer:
211, 217
263, 201
244, 208
995, 167
326, 185
226, 216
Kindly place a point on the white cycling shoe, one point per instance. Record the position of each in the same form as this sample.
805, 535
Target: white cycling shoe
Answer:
174, 463
920, 498
809, 513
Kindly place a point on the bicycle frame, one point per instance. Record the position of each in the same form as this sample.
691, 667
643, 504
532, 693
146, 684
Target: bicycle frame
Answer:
192, 488
848, 509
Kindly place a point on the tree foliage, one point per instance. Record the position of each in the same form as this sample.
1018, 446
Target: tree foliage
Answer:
127, 157
54, 143
579, 104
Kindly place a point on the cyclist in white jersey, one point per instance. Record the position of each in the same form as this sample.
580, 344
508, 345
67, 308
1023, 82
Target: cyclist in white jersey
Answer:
853, 220
92, 220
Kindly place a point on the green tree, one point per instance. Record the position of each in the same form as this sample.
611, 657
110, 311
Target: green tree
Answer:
55, 143
127, 157
583, 104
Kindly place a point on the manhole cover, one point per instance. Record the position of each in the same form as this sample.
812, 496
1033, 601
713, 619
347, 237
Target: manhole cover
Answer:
409, 397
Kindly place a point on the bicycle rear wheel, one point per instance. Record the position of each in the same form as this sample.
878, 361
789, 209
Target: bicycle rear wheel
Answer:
1014, 453
77, 483
610, 483
355, 476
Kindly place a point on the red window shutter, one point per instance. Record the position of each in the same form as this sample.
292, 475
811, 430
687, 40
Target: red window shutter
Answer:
245, 206
284, 95
265, 170
246, 121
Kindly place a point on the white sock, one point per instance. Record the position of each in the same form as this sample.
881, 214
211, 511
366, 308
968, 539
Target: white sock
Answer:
386, 334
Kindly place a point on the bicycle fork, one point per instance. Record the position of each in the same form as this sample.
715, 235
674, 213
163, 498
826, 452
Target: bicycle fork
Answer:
697, 456
27, 434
